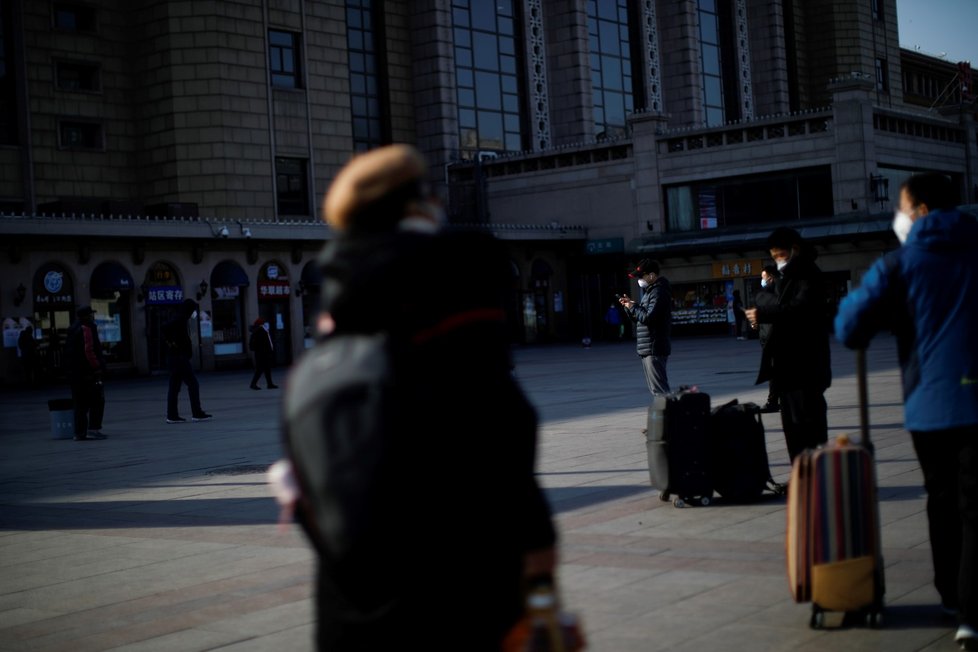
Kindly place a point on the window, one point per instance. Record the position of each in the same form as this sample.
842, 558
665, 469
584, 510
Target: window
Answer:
712, 63
73, 17
876, 6
283, 59
80, 135
362, 36
292, 186
612, 82
490, 113
71, 76
882, 76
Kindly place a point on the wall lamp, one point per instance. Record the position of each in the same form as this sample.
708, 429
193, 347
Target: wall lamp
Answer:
245, 231
201, 290
20, 294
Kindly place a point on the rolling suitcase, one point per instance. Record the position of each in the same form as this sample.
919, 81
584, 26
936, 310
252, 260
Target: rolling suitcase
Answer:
738, 453
677, 444
833, 530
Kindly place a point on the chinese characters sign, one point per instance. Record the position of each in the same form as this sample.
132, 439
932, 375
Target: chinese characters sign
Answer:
737, 268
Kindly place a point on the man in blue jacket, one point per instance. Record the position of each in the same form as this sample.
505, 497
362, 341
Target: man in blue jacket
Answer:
925, 291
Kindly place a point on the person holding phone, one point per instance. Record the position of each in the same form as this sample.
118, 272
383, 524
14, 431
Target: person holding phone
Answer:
652, 314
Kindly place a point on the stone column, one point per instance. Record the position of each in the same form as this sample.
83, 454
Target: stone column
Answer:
649, 204
855, 149
571, 103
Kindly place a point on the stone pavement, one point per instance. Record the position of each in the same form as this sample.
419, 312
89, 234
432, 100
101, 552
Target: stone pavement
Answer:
164, 537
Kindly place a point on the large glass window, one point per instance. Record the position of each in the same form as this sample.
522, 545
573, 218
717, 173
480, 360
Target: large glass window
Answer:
712, 64
362, 35
80, 135
759, 199
283, 58
486, 66
292, 184
611, 65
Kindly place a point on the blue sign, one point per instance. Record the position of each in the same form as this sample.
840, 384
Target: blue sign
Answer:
605, 246
164, 295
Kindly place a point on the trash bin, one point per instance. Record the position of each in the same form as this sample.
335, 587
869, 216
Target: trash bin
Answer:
62, 418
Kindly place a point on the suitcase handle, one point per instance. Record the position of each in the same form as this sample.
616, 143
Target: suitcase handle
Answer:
863, 400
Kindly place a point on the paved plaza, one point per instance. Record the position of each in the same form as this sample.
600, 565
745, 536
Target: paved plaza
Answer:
165, 537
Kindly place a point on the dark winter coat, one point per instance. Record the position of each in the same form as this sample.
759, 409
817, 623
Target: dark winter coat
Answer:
653, 316
797, 352
925, 291
260, 344
175, 335
766, 296
83, 351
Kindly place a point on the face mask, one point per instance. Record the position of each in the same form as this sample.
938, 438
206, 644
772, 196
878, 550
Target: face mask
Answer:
193, 315
266, 326
902, 225
764, 283
642, 283
782, 263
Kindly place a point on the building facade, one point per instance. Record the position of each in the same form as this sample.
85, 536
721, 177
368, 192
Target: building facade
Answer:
154, 150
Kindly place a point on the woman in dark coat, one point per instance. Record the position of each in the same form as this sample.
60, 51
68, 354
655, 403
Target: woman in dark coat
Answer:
261, 345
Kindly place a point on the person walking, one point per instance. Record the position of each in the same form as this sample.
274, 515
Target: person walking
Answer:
377, 274
925, 292
652, 314
179, 353
740, 319
85, 366
796, 355
261, 345
767, 296
612, 318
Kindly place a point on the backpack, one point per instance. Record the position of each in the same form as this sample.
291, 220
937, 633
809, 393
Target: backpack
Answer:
339, 411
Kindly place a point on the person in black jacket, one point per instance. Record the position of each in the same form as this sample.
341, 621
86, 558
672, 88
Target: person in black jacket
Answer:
767, 296
653, 317
261, 345
180, 351
796, 356
455, 582
86, 364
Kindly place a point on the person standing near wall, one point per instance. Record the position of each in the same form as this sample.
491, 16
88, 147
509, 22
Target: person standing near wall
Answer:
83, 357
652, 314
180, 351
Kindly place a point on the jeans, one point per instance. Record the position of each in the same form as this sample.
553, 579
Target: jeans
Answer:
949, 461
181, 372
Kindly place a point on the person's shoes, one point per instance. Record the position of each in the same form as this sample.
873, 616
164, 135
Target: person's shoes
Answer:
254, 386
96, 434
967, 637
203, 416
272, 386
176, 420
83, 438
770, 407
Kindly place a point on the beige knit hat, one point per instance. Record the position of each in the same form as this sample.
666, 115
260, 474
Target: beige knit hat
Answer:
367, 178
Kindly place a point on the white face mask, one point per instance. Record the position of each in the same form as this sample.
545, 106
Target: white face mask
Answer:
642, 283
266, 326
902, 223
782, 263
193, 315
764, 283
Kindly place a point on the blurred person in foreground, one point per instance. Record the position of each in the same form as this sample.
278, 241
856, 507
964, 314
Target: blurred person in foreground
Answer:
463, 524
925, 292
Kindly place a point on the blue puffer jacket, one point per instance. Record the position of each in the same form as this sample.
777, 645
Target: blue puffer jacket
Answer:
927, 292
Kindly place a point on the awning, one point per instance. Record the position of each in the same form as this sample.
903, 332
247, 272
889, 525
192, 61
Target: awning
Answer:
228, 274
110, 277
311, 276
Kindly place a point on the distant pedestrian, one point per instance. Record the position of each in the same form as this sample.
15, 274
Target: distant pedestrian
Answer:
262, 347
768, 296
616, 329
85, 366
652, 314
179, 352
738, 313
27, 352
925, 291
796, 355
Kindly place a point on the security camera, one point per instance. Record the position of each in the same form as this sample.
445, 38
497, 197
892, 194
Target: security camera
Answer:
246, 231
224, 232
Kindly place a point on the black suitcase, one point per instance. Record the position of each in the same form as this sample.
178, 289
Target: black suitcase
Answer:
677, 443
738, 451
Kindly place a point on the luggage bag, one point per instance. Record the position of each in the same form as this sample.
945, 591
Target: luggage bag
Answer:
833, 529
738, 451
677, 444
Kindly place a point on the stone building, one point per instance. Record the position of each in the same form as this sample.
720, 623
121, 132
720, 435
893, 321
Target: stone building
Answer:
153, 150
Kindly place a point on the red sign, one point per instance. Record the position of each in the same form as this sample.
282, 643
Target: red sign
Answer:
272, 290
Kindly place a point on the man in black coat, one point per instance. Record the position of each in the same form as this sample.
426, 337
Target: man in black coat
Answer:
83, 355
652, 315
796, 356
261, 345
180, 351
767, 296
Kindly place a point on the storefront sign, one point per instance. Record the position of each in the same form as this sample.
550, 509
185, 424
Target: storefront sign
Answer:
737, 268
227, 292
271, 290
53, 288
164, 295
605, 246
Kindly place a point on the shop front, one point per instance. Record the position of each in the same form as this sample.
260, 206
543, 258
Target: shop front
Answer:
54, 310
161, 292
274, 294
111, 291
228, 320
704, 307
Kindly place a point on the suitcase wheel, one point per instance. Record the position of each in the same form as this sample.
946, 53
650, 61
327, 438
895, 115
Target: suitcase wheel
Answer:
874, 618
705, 501
679, 503
817, 620
664, 496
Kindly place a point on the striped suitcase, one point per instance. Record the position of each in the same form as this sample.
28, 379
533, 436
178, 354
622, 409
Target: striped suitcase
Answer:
833, 533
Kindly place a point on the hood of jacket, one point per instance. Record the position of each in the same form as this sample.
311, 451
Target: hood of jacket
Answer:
944, 230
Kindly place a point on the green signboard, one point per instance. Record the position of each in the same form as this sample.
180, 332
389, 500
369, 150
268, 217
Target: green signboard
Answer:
606, 246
